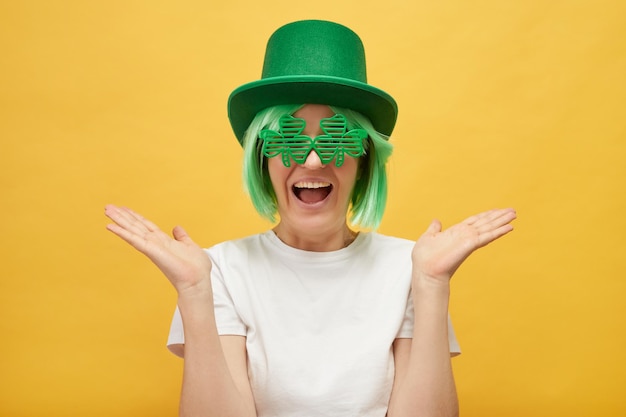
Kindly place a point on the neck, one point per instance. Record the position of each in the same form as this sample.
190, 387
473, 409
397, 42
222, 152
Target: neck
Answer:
326, 241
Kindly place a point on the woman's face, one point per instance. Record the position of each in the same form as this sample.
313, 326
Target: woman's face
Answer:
313, 197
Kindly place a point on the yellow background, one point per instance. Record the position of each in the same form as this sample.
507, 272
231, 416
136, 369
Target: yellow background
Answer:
502, 103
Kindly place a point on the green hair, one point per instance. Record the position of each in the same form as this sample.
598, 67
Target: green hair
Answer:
369, 195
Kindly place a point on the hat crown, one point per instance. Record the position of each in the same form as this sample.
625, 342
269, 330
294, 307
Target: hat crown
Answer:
316, 62
315, 47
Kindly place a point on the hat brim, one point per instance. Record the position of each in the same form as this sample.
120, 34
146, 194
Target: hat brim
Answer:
246, 101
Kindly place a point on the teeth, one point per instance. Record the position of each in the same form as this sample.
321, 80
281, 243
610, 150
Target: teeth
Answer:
307, 184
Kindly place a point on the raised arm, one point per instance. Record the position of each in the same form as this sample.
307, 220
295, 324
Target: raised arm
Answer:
424, 384
214, 377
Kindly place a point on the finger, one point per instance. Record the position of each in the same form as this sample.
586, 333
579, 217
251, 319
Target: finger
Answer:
486, 238
492, 216
147, 223
129, 220
118, 215
499, 225
478, 217
129, 237
125, 221
495, 220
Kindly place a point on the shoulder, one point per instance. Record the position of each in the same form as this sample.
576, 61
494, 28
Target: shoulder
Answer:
245, 244
241, 243
244, 249
384, 244
391, 241
381, 251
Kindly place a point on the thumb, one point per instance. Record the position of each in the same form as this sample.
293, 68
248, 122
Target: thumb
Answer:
435, 227
181, 235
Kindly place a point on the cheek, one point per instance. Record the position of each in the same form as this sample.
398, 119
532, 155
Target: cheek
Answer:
349, 172
278, 173
273, 168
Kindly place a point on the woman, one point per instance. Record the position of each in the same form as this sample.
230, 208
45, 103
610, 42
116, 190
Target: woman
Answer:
313, 318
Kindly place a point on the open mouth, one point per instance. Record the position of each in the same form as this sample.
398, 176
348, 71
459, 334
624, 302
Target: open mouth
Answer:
312, 192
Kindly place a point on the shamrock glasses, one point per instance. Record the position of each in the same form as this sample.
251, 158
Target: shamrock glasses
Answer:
335, 143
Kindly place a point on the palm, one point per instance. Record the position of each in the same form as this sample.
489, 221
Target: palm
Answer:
438, 253
182, 261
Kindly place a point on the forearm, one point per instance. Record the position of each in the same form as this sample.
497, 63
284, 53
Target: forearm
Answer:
427, 386
208, 386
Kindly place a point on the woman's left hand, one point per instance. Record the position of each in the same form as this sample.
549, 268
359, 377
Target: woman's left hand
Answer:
438, 253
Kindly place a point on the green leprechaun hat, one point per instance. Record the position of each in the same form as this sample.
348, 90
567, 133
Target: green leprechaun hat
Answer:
313, 62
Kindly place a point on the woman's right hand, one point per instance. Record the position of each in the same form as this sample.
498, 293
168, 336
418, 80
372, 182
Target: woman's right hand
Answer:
185, 264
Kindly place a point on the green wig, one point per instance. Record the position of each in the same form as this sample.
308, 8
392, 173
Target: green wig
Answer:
369, 195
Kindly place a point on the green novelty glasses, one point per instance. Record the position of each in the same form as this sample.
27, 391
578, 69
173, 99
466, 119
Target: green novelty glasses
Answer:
335, 143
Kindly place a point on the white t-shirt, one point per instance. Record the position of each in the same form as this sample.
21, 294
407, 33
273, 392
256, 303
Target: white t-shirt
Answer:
319, 326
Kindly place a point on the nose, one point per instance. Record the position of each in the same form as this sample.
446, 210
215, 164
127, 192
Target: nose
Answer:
313, 161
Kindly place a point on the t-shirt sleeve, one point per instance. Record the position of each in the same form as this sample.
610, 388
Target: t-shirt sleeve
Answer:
455, 349
176, 338
226, 316
406, 330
